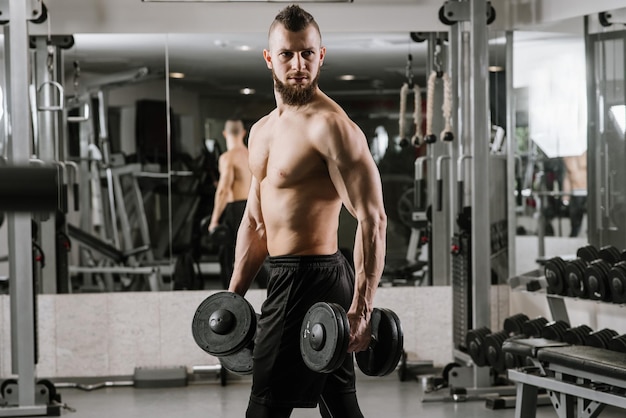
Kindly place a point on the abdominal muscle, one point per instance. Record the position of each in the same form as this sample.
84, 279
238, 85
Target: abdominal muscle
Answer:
301, 220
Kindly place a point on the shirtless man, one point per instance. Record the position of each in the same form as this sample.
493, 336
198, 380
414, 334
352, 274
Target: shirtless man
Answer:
232, 191
575, 183
307, 159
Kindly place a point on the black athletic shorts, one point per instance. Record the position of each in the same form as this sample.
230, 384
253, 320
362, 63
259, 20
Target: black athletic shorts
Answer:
280, 377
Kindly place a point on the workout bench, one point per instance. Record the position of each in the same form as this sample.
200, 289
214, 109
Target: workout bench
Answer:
580, 380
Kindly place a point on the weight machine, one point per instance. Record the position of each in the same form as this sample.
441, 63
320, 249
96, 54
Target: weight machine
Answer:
37, 190
463, 172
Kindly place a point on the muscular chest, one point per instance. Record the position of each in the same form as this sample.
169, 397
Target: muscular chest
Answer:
287, 157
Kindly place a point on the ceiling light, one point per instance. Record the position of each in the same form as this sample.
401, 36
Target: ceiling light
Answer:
495, 68
177, 75
247, 91
347, 77
243, 48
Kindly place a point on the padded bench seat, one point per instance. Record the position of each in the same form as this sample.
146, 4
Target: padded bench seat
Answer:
593, 360
580, 380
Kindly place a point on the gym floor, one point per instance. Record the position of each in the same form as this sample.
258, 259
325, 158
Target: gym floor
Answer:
378, 396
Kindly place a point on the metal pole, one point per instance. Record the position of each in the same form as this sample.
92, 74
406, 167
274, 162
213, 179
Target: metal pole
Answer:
455, 146
440, 239
481, 242
511, 153
48, 139
19, 224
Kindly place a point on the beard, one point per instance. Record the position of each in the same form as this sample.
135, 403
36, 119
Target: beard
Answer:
296, 95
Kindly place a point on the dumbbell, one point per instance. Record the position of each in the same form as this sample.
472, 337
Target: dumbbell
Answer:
601, 338
325, 334
221, 234
555, 330
617, 282
224, 326
577, 335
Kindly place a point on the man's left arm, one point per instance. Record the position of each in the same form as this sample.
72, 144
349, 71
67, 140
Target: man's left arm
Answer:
357, 180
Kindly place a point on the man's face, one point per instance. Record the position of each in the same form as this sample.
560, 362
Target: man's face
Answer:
295, 59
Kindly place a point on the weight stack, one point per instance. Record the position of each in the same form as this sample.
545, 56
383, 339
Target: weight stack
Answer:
461, 289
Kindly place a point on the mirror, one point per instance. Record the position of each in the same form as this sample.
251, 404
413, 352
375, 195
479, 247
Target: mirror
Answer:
118, 134
551, 113
220, 75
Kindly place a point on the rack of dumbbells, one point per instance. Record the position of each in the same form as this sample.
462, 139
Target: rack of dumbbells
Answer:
594, 274
486, 347
598, 275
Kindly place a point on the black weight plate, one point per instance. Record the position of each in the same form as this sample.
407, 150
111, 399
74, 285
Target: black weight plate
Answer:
323, 339
224, 324
5, 384
397, 353
372, 360
495, 355
475, 342
379, 357
597, 280
382, 357
555, 275
617, 282
344, 337
574, 277
240, 362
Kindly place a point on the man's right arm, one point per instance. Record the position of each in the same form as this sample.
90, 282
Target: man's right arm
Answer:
251, 246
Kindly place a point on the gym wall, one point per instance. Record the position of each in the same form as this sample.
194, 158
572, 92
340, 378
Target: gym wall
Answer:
109, 334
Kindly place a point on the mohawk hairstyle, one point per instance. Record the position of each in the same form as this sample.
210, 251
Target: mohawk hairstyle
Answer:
294, 19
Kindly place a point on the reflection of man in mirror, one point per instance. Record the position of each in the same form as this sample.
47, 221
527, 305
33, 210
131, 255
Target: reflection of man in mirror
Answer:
575, 187
308, 159
232, 191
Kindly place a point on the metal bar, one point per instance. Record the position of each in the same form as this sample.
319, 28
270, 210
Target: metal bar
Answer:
23, 411
454, 149
19, 224
113, 270
441, 270
594, 377
47, 123
122, 216
144, 229
481, 133
593, 199
510, 153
